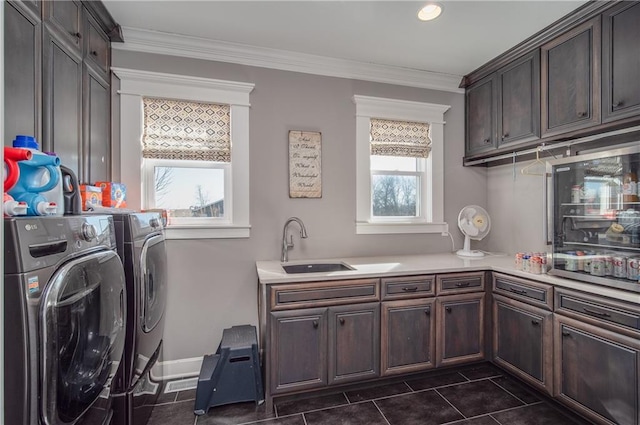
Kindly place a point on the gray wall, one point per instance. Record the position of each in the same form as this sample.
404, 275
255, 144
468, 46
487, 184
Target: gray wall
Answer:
515, 204
213, 283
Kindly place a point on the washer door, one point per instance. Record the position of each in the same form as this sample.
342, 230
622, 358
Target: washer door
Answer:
153, 264
83, 328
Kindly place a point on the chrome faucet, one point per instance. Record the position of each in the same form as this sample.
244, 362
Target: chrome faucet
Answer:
286, 246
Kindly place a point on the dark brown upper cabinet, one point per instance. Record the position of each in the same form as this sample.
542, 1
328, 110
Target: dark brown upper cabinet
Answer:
519, 101
621, 61
571, 80
65, 18
23, 71
480, 101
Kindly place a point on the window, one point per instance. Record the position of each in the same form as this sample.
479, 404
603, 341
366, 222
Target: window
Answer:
185, 148
399, 166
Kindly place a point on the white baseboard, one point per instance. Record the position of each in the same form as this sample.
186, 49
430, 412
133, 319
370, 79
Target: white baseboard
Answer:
177, 369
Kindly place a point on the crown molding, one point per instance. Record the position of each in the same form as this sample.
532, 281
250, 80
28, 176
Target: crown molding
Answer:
139, 40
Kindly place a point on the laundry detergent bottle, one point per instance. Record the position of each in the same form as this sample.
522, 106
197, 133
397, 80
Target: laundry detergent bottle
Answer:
11, 207
39, 184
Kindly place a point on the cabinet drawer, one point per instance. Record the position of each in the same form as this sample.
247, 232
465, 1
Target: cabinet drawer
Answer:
524, 290
458, 283
599, 311
408, 287
302, 295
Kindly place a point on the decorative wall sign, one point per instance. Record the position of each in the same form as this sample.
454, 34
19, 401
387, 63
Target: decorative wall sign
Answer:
305, 164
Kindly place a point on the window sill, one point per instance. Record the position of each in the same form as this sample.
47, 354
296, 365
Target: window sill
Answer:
207, 232
368, 228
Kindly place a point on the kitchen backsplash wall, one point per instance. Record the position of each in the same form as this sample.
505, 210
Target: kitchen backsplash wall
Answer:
213, 283
515, 204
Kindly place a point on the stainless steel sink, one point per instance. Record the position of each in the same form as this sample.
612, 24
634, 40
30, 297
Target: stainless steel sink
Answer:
316, 268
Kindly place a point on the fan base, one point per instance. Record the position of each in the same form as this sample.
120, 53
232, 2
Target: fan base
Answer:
469, 253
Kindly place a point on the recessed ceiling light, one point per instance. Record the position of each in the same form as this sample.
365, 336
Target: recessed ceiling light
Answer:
429, 12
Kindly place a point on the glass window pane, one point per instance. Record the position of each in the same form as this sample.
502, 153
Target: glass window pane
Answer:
190, 192
393, 163
394, 196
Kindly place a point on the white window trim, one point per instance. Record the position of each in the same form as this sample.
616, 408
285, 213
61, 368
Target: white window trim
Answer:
432, 195
134, 85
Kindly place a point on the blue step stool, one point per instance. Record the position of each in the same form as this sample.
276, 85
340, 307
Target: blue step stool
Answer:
232, 374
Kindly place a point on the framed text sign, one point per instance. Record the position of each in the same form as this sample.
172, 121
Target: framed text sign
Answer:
305, 164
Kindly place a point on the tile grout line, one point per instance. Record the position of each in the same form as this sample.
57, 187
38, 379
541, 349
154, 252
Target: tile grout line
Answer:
508, 392
462, 421
455, 408
491, 416
383, 416
304, 419
408, 386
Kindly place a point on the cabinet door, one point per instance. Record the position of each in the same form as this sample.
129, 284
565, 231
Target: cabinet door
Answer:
354, 342
481, 116
62, 87
97, 111
597, 372
22, 72
408, 336
460, 329
519, 101
621, 62
522, 338
64, 17
298, 350
571, 80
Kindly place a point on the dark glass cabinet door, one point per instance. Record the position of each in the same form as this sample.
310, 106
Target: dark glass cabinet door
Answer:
597, 371
481, 116
354, 342
522, 340
570, 80
460, 328
519, 101
621, 61
22, 72
300, 341
408, 336
83, 335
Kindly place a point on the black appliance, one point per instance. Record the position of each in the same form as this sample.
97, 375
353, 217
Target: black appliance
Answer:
64, 320
596, 217
141, 246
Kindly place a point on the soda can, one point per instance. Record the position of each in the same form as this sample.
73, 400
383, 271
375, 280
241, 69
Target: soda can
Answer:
620, 267
536, 265
597, 266
575, 194
571, 263
526, 263
608, 265
580, 255
633, 264
518, 262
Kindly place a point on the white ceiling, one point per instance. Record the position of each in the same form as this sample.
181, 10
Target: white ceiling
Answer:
467, 34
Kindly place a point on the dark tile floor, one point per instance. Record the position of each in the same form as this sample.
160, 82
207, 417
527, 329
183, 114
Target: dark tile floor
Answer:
474, 395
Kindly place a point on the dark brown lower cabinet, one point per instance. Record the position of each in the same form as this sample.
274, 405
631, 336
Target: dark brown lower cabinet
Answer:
460, 330
299, 339
597, 372
408, 336
522, 341
354, 342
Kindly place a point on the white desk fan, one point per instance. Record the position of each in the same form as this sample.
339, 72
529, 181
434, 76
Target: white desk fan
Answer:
474, 223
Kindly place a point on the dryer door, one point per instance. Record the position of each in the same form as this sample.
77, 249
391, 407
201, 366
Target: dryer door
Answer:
83, 327
153, 263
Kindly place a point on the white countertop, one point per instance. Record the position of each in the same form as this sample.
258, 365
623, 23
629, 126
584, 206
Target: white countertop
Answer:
270, 272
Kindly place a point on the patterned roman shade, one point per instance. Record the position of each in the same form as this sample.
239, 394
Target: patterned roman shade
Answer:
177, 129
400, 138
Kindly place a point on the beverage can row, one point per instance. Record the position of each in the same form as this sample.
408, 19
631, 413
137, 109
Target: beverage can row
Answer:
531, 262
598, 264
